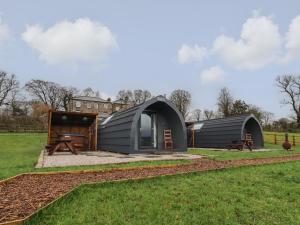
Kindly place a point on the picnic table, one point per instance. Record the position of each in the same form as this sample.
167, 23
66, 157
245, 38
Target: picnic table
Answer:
247, 142
65, 141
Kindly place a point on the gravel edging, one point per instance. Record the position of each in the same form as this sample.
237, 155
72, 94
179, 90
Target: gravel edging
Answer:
23, 195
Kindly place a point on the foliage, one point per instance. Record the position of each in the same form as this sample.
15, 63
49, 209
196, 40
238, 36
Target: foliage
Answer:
239, 107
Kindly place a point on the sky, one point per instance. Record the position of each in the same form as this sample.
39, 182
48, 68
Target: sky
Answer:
199, 46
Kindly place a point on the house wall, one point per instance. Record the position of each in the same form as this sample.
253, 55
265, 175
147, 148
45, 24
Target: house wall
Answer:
104, 109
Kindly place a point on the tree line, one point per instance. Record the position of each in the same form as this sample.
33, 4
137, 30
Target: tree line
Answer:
55, 96
51, 95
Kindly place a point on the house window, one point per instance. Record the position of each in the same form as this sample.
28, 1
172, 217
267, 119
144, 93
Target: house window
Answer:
96, 105
78, 104
105, 106
117, 108
88, 105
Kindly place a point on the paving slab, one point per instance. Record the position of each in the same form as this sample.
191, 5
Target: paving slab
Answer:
62, 159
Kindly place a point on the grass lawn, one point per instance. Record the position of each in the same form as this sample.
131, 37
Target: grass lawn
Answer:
236, 154
19, 154
249, 195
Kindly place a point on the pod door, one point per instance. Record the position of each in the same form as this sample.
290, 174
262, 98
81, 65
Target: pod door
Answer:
148, 130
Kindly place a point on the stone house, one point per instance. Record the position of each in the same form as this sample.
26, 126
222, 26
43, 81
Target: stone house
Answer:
104, 108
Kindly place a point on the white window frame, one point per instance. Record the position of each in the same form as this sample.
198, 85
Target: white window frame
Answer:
88, 105
78, 104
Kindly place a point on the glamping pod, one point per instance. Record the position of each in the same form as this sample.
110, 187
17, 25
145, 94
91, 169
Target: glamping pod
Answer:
142, 128
221, 133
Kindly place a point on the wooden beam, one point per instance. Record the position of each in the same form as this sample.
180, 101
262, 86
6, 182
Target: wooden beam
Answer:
96, 133
49, 126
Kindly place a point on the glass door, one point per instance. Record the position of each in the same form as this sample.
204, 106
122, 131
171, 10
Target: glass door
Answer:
148, 130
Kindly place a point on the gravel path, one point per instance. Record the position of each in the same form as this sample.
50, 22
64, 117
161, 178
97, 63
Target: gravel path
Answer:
62, 159
23, 195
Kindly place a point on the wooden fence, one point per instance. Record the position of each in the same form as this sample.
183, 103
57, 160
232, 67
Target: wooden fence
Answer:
279, 138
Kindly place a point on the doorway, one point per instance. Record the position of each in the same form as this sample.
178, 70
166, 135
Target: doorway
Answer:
148, 130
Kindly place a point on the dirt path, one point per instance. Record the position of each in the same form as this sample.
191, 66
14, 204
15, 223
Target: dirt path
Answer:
25, 194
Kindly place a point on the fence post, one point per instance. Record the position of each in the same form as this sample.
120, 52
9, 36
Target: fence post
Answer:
275, 139
294, 141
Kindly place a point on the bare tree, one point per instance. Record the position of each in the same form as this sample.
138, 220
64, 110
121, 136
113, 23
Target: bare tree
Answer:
8, 85
18, 104
267, 117
208, 114
182, 100
225, 102
50, 93
67, 93
289, 85
125, 95
88, 92
196, 115
140, 96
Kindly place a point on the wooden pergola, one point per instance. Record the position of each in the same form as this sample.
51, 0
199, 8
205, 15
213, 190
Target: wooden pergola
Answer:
80, 129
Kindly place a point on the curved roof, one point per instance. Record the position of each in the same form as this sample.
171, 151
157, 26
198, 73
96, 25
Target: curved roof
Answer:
122, 126
219, 132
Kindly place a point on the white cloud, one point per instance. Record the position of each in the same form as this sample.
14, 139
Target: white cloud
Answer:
70, 42
212, 75
187, 54
4, 32
259, 44
292, 39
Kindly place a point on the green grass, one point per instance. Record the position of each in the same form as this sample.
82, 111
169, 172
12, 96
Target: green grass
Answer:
249, 195
236, 154
19, 154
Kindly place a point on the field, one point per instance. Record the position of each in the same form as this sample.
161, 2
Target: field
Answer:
19, 153
279, 137
249, 195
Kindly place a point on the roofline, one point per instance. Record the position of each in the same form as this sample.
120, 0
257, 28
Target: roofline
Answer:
97, 99
251, 116
143, 106
73, 113
224, 118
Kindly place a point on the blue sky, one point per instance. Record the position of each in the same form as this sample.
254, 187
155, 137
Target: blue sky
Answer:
199, 46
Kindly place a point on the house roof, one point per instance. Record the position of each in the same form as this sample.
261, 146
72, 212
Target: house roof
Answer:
89, 98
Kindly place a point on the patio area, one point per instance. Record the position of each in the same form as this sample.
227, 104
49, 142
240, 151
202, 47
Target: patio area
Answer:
62, 159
